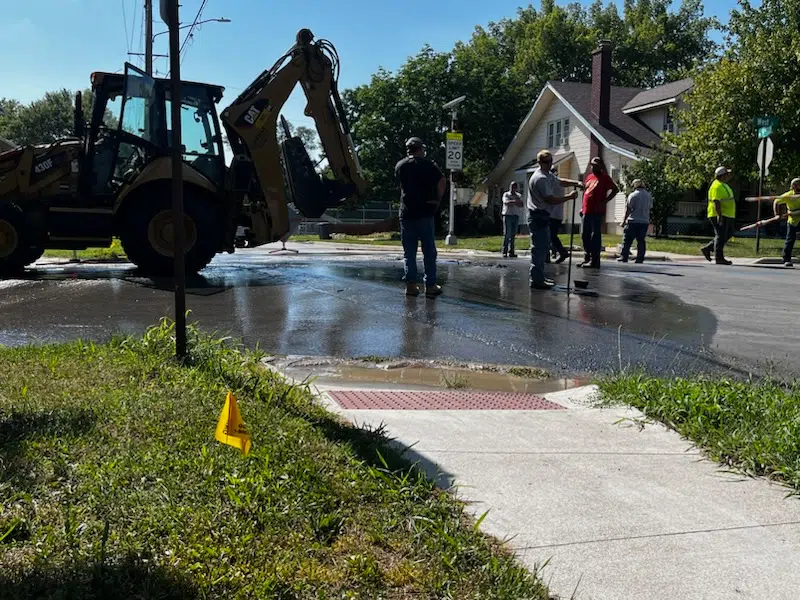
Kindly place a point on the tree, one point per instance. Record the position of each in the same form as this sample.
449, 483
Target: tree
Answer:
42, 121
757, 76
653, 171
502, 69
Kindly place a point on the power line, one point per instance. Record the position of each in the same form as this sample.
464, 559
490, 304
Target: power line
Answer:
194, 24
125, 23
133, 22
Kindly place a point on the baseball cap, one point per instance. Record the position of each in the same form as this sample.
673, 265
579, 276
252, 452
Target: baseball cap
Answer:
413, 143
795, 181
596, 161
721, 171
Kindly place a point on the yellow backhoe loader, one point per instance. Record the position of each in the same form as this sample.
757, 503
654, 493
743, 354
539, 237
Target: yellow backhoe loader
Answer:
112, 179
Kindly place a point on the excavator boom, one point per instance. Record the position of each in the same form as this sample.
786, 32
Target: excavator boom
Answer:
260, 165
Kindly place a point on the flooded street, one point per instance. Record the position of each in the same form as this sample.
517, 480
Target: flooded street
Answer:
331, 301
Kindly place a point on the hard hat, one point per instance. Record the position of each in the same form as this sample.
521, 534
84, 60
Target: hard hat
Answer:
795, 181
721, 171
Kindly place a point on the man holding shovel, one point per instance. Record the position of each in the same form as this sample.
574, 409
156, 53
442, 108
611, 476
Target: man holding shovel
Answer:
541, 197
792, 204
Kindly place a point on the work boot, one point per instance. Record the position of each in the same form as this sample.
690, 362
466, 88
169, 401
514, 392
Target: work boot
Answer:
513, 255
622, 259
542, 285
724, 261
412, 289
433, 291
789, 265
562, 257
706, 252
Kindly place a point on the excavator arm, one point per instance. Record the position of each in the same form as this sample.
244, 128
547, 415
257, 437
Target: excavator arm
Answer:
261, 166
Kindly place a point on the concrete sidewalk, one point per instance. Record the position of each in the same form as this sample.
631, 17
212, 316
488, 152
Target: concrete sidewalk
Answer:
617, 511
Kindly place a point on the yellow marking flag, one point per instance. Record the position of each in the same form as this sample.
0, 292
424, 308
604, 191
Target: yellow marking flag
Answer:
231, 429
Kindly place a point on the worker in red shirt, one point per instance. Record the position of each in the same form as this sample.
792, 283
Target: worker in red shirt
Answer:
599, 188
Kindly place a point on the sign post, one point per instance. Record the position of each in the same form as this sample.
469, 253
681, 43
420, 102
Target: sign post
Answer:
454, 161
764, 157
169, 12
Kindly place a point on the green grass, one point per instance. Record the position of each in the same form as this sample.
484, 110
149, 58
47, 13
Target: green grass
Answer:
112, 486
737, 247
750, 426
113, 252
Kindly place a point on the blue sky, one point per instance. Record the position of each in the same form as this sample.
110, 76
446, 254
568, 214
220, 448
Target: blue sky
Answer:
50, 44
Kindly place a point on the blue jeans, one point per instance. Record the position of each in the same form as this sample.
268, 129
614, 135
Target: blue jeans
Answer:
412, 232
788, 246
539, 225
592, 240
510, 226
638, 232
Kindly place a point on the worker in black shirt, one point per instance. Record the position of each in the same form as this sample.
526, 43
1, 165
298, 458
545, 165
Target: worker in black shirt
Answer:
422, 186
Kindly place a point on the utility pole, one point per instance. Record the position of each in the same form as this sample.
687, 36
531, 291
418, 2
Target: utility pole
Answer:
169, 12
148, 37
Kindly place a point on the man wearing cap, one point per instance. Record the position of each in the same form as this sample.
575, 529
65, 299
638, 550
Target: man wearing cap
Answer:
792, 204
422, 186
722, 214
541, 197
600, 188
636, 221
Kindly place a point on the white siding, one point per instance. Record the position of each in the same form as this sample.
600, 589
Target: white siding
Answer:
579, 143
654, 118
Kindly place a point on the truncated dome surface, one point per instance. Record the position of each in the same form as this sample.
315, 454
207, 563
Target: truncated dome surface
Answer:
384, 400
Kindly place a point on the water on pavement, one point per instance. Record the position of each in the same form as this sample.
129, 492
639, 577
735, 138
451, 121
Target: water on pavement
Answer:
335, 303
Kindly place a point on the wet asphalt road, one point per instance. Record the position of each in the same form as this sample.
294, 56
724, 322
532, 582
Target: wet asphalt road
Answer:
664, 317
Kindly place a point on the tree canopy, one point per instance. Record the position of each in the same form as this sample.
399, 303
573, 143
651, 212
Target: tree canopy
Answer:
44, 120
503, 67
756, 76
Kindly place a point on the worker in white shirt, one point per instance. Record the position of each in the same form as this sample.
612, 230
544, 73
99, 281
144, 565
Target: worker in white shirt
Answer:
636, 221
512, 209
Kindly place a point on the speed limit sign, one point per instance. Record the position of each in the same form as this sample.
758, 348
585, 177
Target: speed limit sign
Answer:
455, 151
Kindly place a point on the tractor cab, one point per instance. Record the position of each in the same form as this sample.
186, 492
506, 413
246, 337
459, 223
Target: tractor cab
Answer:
130, 127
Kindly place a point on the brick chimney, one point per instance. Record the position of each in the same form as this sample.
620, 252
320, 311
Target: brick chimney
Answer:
601, 81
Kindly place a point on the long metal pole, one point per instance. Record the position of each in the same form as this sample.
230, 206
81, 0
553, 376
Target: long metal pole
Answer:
571, 238
148, 37
451, 238
177, 185
761, 192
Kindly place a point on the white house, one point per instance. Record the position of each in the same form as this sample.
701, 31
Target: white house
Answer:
577, 121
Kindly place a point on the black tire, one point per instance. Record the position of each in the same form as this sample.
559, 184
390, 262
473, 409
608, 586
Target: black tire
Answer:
146, 238
17, 246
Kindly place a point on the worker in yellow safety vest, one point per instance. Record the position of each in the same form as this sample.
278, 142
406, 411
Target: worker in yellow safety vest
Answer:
792, 204
722, 214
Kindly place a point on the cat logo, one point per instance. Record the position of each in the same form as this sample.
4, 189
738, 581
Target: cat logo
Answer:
252, 115
43, 166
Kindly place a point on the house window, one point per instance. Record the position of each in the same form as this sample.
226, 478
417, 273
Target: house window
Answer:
558, 133
669, 124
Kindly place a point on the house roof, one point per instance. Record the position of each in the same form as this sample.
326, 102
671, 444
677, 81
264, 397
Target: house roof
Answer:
622, 131
662, 94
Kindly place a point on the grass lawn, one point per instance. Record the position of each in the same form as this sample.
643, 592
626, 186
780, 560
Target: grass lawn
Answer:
750, 426
737, 247
112, 486
113, 252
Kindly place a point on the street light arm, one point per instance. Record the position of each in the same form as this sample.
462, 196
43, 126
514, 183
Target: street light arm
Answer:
220, 20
